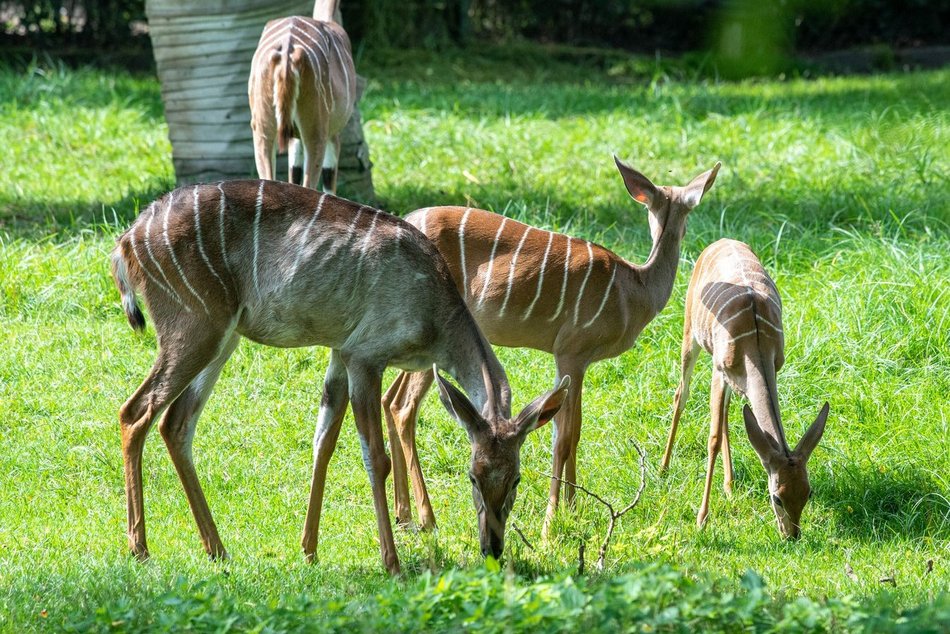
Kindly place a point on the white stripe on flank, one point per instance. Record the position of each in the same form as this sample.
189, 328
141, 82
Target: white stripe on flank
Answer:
306, 233
201, 246
154, 279
315, 65
603, 302
425, 219
745, 334
148, 249
221, 207
580, 294
462, 252
491, 262
364, 247
511, 272
181, 272
734, 315
773, 326
257, 237
349, 235
567, 267
340, 58
544, 263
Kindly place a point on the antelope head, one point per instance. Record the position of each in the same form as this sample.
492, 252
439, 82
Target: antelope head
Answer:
495, 469
789, 490
668, 206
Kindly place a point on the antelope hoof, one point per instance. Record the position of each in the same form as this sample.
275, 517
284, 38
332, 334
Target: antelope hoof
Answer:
701, 519
427, 524
140, 552
392, 565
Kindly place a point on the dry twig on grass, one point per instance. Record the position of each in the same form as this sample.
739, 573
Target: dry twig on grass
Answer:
614, 515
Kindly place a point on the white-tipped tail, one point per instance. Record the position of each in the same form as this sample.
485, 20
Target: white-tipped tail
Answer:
120, 273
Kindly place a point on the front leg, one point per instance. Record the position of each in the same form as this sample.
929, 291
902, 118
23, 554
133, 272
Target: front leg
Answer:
563, 441
365, 392
332, 408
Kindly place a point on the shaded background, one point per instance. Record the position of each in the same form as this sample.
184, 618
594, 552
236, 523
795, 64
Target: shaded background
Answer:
738, 37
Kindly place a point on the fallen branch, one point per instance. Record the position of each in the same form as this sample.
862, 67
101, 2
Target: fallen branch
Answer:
516, 529
614, 515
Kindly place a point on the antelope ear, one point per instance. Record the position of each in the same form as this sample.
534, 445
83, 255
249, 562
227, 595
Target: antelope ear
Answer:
459, 406
762, 443
810, 440
697, 188
542, 409
640, 188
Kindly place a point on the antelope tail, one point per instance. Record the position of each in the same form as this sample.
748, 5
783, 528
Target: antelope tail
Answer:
120, 273
286, 87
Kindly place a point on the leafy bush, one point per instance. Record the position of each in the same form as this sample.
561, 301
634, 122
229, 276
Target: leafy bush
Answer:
654, 598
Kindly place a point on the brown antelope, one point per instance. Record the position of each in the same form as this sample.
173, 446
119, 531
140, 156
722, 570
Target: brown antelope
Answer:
302, 91
734, 312
287, 266
533, 288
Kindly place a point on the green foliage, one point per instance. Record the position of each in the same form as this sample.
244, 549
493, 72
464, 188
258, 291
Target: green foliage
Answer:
840, 184
650, 599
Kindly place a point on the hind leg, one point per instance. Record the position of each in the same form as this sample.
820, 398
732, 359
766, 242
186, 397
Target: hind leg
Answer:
265, 152
295, 161
331, 163
329, 420
180, 360
689, 354
178, 429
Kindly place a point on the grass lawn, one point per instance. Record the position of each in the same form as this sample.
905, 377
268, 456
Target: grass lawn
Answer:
841, 185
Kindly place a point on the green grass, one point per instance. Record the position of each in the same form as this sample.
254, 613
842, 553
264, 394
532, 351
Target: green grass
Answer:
841, 186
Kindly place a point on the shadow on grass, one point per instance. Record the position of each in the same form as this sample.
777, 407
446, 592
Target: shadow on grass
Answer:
874, 505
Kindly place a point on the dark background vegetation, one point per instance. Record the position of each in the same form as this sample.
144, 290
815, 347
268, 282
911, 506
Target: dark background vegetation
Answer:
736, 29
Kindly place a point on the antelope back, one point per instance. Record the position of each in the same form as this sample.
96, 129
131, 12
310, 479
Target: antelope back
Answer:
302, 74
734, 308
521, 283
276, 257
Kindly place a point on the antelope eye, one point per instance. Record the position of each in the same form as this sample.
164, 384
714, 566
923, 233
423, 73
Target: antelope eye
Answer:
516, 482
777, 501
471, 479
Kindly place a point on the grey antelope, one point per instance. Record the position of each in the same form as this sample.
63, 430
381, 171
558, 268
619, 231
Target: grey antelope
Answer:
302, 90
533, 288
287, 266
734, 312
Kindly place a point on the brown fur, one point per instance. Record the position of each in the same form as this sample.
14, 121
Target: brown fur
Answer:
734, 312
285, 266
633, 298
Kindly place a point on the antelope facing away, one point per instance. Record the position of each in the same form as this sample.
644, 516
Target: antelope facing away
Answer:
734, 312
302, 90
287, 266
533, 288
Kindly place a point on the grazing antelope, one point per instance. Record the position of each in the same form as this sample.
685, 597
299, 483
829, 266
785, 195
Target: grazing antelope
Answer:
734, 312
528, 287
302, 91
287, 266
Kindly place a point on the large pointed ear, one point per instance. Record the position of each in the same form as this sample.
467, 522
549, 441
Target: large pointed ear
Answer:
697, 188
640, 187
542, 409
763, 444
810, 440
459, 406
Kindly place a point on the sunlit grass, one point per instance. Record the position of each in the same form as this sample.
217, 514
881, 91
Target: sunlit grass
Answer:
840, 184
